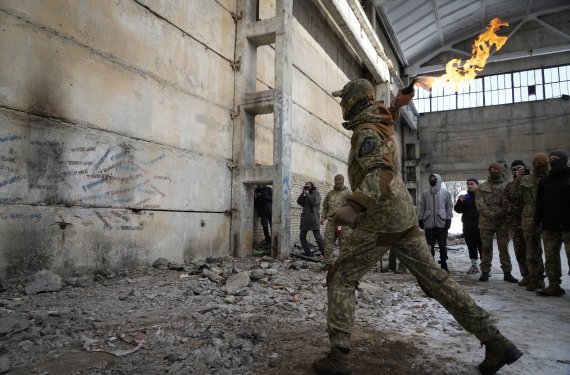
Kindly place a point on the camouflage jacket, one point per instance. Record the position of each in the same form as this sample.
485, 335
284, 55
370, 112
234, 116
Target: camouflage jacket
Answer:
488, 201
525, 188
513, 207
333, 200
374, 173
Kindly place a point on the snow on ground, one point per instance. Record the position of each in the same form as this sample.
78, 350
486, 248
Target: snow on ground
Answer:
265, 316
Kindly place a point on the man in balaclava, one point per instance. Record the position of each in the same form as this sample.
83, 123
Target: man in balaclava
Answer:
525, 187
553, 215
513, 209
381, 212
334, 199
310, 200
491, 221
434, 216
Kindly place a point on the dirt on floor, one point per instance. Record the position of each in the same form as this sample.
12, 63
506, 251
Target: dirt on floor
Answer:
258, 315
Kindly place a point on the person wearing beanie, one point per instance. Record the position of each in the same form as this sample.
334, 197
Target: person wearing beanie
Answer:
525, 187
434, 216
513, 209
465, 205
491, 222
553, 216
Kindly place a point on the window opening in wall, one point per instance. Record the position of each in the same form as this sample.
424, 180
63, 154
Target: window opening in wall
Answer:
264, 131
410, 174
506, 88
410, 151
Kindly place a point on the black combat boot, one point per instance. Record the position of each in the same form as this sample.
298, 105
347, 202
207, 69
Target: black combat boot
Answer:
510, 278
524, 281
335, 363
444, 267
484, 276
498, 352
553, 290
532, 284
541, 282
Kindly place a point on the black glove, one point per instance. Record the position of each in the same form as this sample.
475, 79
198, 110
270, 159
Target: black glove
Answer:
421, 224
447, 224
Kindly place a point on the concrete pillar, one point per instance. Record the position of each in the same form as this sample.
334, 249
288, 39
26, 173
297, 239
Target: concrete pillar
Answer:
249, 103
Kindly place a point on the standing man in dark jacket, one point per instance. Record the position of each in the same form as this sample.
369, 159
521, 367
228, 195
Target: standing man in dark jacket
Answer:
310, 200
434, 216
553, 215
465, 205
381, 211
263, 200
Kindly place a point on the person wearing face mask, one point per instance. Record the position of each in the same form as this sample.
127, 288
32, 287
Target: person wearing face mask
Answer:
333, 200
525, 187
491, 222
465, 205
553, 215
513, 208
310, 200
434, 215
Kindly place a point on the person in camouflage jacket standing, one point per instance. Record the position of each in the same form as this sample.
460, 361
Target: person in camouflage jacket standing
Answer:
513, 209
525, 187
381, 212
491, 221
333, 200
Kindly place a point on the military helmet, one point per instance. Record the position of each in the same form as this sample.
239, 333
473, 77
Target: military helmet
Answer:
355, 96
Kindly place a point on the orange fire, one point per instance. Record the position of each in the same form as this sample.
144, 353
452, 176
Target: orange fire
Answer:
455, 73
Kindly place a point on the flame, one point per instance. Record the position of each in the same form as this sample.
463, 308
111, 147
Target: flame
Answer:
481, 50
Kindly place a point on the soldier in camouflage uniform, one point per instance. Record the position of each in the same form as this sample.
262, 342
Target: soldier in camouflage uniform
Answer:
553, 216
491, 221
513, 209
524, 187
333, 200
382, 214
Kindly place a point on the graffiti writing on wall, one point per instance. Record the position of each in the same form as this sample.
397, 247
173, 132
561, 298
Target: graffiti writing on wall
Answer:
38, 170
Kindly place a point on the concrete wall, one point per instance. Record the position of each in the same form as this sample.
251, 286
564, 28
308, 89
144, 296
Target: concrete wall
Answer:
115, 128
461, 144
114, 132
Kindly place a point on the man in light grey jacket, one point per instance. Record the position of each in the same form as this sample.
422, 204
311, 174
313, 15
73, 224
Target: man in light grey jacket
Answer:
434, 216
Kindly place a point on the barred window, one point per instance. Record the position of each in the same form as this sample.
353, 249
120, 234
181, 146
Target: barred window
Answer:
507, 88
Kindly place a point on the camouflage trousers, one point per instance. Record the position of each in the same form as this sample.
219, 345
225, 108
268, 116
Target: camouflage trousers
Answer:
330, 238
363, 252
552, 245
519, 244
534, 262
487, 248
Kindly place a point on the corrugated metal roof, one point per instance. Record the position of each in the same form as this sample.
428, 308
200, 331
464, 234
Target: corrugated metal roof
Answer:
421, 27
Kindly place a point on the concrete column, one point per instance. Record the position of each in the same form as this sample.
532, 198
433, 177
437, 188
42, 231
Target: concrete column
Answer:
250, 35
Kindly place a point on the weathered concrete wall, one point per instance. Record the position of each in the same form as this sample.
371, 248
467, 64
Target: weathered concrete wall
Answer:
115, 127
321, 64
461, 144
108, 109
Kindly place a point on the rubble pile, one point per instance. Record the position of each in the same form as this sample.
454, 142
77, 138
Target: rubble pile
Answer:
222, 316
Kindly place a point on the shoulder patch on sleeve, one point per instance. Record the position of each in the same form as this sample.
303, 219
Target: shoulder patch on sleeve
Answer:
367, 146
